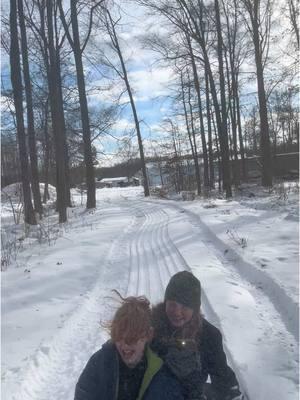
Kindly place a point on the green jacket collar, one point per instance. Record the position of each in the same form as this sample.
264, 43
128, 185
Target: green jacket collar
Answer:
154, 364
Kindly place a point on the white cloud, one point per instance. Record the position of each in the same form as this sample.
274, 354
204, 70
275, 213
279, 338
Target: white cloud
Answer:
149, 84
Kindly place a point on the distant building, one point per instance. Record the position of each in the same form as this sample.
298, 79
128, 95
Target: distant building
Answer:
121, 181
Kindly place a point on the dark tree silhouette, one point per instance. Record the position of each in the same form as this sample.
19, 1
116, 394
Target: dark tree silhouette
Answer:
16, 81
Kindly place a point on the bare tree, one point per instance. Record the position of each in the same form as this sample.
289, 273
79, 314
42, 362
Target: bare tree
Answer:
78, 49
259, 13
294, 17
57, 117
209, 129
110, 25
202, 131
30, 116
224, 133
16, 81
235, 52
190, 127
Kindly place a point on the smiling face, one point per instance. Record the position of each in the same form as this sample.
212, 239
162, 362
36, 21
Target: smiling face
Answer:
131, 329
178, 314
132, 352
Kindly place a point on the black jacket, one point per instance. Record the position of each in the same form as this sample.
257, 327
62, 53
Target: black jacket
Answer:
100, 378
212, 355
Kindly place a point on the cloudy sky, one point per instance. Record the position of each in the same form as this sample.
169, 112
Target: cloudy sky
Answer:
150, 80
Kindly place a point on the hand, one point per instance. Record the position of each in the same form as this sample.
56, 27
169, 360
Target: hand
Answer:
183, 362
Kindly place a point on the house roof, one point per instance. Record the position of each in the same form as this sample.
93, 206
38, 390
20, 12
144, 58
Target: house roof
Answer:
119, 179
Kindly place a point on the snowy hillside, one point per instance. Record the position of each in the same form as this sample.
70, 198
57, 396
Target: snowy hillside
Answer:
245, 252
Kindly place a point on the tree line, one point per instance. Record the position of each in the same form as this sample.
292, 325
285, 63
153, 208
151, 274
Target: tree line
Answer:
54, 51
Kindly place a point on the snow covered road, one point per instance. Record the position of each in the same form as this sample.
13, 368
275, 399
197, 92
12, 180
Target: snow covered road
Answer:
134, 246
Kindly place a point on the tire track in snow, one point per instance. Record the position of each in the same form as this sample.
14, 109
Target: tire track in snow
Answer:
171, 261
136, 284
264, 310
284, 305
141, 255
154, 258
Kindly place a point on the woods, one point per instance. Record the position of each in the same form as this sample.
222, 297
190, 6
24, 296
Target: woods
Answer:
72, 93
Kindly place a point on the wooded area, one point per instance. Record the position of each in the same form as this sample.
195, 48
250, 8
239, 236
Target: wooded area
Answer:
214, 49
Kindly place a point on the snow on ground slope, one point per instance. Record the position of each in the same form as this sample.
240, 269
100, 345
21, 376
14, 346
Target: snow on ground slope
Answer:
53, 303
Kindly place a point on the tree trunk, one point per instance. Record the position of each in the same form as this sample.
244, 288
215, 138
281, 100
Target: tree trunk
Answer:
46, 155
232, 110
202, 131
224, 134
132, 103
263, 113
210, 149
57, 124
61, 110
30, 117
88, 158
16, 81
241, 140
294, 17
219, 158
191, 136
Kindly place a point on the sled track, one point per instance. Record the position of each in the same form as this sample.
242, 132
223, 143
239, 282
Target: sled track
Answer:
153, 256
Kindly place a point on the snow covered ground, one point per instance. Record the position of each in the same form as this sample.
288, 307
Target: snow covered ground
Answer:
58, 289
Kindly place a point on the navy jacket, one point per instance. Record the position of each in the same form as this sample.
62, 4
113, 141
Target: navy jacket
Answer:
210, 346
99, 379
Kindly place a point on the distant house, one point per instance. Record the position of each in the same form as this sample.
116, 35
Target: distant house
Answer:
121, 181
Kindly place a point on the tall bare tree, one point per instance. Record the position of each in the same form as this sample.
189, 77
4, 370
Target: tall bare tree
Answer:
235, 52
294, 17
78, 49
189, 121
202, 131
56, 116
30, 116
224, 133
16, 81
110, 25
259, 12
